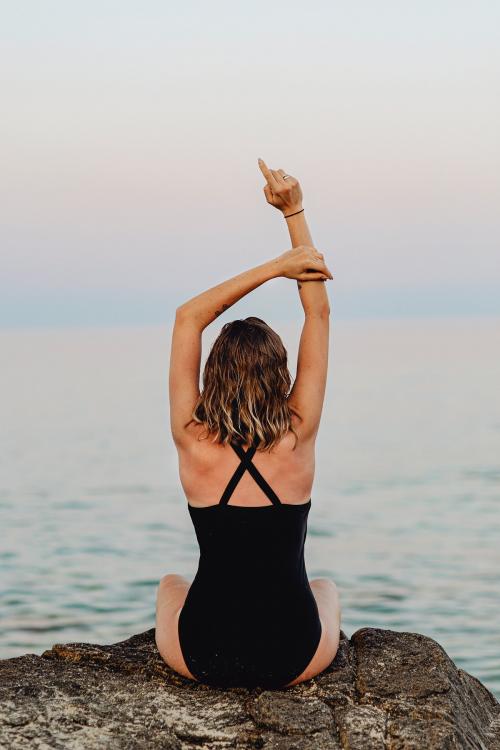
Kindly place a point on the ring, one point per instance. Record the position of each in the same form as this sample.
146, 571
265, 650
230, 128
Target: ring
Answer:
285, 176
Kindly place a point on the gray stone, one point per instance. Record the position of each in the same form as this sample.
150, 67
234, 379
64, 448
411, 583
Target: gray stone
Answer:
385, 690
289, 714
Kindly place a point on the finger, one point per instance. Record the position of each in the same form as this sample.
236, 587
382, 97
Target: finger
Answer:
326, 270
278, 177
309, 249
268, 193
322, 265
312, 276
271, 181
319, 266
289, 177
317, 252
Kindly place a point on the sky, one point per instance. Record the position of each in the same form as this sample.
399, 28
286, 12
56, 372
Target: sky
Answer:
130, 133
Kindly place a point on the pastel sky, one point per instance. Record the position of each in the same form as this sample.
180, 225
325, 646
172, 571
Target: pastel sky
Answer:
130, 137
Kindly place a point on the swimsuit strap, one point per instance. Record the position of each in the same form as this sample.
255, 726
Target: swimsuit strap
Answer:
246, 463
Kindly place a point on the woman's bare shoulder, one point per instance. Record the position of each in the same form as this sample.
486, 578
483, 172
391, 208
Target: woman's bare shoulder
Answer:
201, 444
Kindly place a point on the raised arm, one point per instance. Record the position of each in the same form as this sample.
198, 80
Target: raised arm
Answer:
196, 314
191, 319
307, 394
313, 295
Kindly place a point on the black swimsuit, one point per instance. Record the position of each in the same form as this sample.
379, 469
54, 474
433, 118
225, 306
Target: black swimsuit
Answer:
250, 617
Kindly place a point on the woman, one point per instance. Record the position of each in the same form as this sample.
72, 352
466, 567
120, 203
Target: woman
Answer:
246, 463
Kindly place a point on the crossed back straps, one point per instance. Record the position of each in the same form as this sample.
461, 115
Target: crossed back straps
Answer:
247, 465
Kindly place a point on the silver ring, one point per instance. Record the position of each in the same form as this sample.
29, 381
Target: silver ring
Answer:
285, 176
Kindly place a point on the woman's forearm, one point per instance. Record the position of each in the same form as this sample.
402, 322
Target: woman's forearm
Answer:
207, 306
313, 295
298, 229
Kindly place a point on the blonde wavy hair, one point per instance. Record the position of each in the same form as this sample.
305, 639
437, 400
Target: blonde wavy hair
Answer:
246, 383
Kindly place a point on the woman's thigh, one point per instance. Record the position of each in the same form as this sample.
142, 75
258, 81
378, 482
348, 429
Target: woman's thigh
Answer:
171, 595
327, 598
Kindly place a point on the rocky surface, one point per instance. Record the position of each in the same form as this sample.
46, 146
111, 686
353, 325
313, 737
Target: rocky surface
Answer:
385, 690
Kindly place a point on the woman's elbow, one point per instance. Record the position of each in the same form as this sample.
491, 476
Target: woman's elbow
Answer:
181, 312
186, 315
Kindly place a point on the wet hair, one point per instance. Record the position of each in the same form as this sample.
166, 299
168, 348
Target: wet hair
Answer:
246, 383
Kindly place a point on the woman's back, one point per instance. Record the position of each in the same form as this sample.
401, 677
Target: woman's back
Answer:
250, 617
205, 468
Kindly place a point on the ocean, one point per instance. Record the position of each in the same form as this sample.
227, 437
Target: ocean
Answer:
405, 512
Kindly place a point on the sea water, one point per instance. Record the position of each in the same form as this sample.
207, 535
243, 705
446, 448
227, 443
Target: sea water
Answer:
405, 512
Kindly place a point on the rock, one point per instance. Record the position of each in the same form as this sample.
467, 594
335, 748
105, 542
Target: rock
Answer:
385, 690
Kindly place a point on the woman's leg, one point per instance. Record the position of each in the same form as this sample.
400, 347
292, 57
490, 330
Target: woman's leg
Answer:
172, 592
327, 598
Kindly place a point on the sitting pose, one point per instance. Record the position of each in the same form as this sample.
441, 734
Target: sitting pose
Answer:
246, 448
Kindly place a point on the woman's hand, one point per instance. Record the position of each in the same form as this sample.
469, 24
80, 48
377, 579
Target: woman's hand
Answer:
285, 195
303, 263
